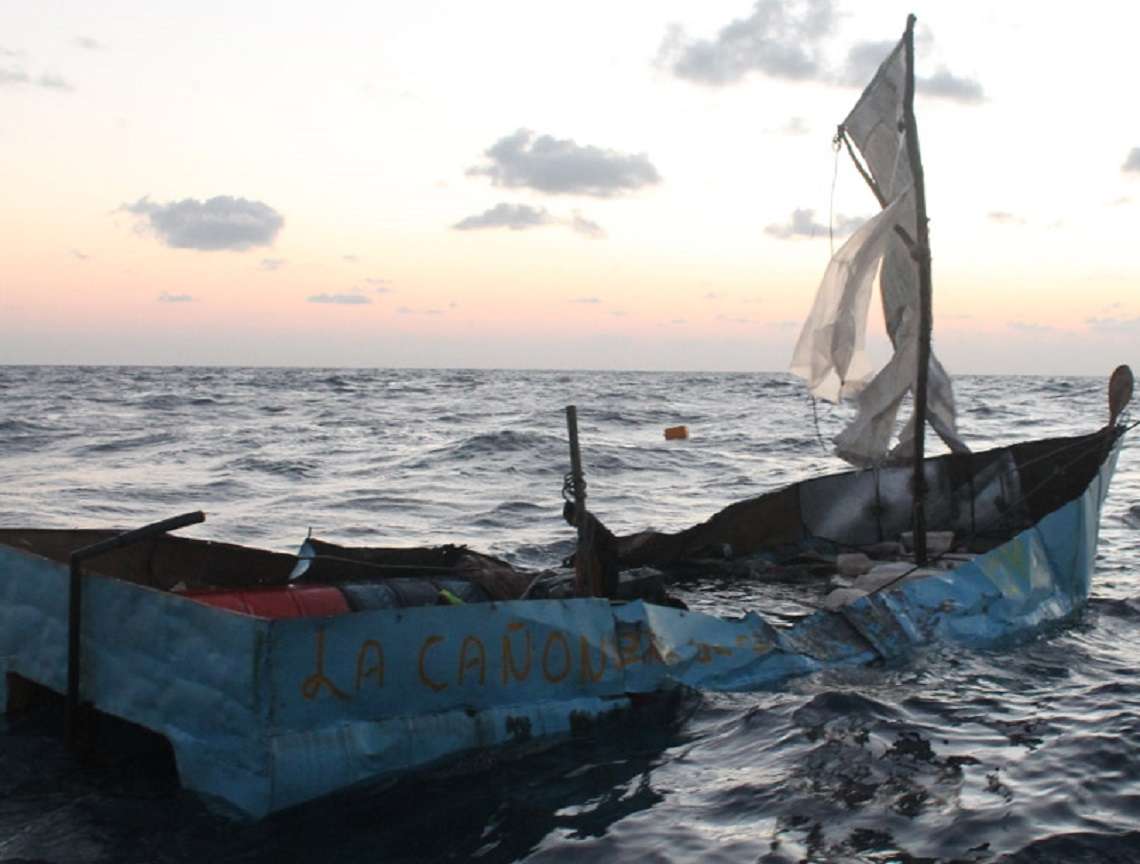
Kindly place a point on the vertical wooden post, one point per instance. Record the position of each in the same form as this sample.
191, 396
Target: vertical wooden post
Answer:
583, 583
71, 717
921, 254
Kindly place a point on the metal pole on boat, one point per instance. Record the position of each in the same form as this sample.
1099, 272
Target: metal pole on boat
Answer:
920, 251
75, 606
584, 583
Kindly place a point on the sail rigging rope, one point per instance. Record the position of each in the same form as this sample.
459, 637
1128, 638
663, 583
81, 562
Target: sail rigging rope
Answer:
815, 420
569, 488
831, 203
835, 147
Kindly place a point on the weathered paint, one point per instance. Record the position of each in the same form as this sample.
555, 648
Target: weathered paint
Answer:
1042, 575
268, 714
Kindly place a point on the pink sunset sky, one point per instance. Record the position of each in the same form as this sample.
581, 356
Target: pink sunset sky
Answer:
638, 185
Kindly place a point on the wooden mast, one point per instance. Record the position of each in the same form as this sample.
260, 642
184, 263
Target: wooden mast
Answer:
587, 571
921, 253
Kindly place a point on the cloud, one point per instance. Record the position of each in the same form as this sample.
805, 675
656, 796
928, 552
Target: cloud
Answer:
166, 297
1132, 162
584, 226
795, 126
787, 40
79, 256
380, 286
943, 84
780, 39
728, 319
586, 300
560, 166
1113, 324
803, 224
404, 310
89, 44
15, 76
53, 82
220, 223
1003, 218
351, 259
520, 217
271, 263
517, 217
863, 60
339, 299
1030, 327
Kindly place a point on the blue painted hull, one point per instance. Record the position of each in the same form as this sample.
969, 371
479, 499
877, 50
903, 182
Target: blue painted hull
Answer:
267, 714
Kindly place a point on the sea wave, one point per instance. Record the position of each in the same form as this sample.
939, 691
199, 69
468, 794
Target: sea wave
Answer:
1027, 753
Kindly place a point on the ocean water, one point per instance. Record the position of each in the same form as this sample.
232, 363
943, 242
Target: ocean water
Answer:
1027, 754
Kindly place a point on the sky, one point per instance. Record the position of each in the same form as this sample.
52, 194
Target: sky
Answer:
634, 185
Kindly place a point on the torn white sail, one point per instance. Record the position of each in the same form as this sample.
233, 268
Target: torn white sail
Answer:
829, 352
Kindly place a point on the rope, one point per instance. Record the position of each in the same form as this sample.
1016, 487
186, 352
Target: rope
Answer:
831, 205
569, 490
815, 419
841, 137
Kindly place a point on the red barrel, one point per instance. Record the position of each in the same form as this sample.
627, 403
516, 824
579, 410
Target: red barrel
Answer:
303, 601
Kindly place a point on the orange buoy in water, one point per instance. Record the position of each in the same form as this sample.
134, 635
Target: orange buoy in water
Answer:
676, 433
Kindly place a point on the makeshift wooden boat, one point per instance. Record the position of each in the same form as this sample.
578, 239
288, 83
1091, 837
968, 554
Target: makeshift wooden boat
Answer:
277, 679
969, 503
274, 689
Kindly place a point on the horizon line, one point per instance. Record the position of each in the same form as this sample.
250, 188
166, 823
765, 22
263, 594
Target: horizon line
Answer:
562, 369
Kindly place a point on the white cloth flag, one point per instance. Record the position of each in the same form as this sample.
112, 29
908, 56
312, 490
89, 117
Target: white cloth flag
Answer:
829, 352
